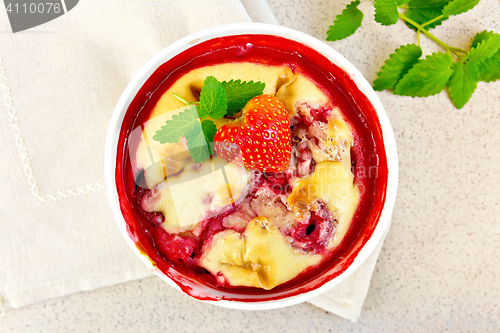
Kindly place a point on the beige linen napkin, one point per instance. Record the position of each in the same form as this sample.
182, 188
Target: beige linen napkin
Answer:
59, 83
347, 298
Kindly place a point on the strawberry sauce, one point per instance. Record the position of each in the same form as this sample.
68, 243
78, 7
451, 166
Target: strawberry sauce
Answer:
176, 252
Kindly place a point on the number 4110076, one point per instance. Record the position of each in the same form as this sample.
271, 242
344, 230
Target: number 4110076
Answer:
33, 8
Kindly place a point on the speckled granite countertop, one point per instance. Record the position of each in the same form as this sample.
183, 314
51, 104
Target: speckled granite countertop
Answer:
439, 268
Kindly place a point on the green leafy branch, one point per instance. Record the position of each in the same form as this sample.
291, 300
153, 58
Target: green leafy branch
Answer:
217, 99
405, 72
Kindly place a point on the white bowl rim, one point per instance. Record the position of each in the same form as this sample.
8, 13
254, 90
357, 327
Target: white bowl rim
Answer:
266, 29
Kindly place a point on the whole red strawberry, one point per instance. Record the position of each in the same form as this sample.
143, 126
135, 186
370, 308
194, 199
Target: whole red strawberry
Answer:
260, 139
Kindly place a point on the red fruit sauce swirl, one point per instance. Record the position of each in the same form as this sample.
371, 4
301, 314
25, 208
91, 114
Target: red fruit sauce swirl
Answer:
368, 156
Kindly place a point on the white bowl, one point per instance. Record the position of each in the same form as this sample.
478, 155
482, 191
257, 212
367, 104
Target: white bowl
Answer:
238, 29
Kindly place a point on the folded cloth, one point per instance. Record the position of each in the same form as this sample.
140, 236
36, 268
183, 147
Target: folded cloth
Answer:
347, 298
59, 83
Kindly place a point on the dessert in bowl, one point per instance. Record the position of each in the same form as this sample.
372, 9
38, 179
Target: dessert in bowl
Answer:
297, 186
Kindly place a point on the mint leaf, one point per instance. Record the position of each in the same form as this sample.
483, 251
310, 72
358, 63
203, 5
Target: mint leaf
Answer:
462, 83
239, 93
199, 154
459, 6
386, 12
197, 143
422, 11
398, 64
427, 3
489, 69
178, 126
209, 130
485, 49
199, 138
346, 23
427, 77
213, 100
424, 15
481, 36
401, 2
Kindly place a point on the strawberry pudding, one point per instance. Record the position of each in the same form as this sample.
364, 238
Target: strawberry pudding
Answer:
286, 188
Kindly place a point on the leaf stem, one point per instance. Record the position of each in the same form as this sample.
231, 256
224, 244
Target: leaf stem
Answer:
424, 31
404, 7
184, 101
433, 20
455, 49
418, 37
460, 57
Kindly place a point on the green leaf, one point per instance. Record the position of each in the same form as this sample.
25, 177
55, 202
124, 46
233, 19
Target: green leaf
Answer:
481, 36
427, 3
213, 100
386, 12
462, 83
427, 77
346, 23
489, 70
178, 126
424, 15
209, 130
423, 11
484, 49
398, 64
197, 144
239, 93
459, 6
199, 154
202, 113
401, 2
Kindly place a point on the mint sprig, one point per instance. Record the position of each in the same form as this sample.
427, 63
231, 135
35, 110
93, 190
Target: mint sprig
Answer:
217, 99
406, 73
